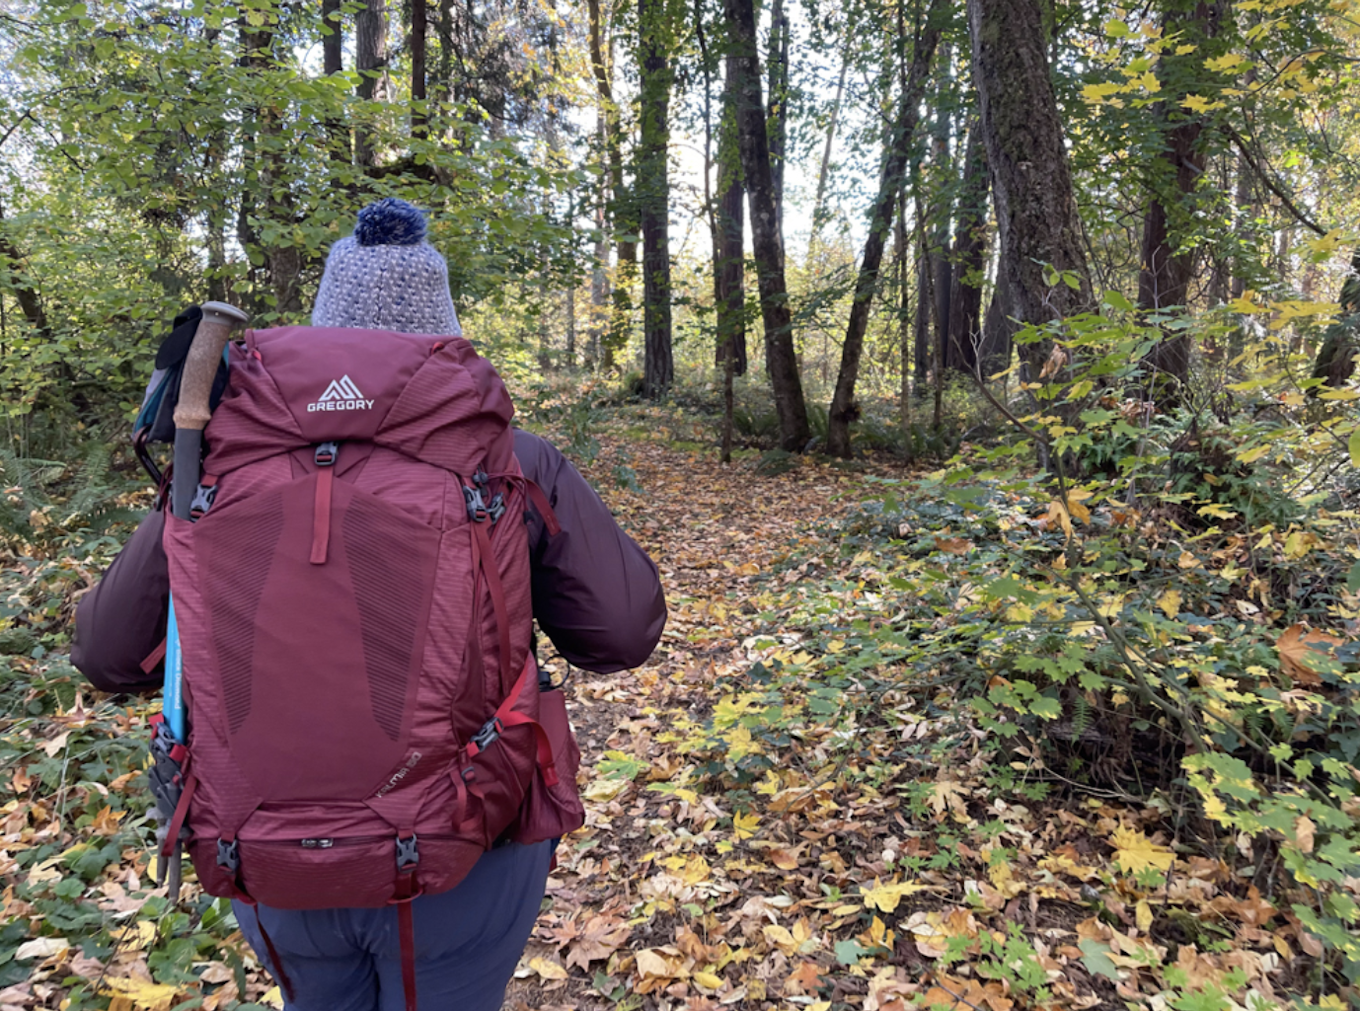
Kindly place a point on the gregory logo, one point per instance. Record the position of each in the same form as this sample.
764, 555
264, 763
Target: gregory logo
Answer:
341, 395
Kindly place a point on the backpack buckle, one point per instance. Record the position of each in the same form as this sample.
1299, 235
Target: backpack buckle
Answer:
326, 453
476, 505
229, 855
202, 501
408, 855
480, 492
489, 734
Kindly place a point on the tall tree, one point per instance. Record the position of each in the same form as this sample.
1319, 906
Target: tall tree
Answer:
729, 250
653, 193
1166, 264
370, 60
970, 249
891, 180
332, 51
778, 129
419, 22
781, 362
1032, 182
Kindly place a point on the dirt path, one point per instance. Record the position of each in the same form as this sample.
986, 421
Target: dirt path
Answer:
715, 534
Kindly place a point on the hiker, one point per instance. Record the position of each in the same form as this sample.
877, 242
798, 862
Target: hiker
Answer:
595, 594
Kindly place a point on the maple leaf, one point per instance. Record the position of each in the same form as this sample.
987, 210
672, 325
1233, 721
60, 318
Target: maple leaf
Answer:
886, 897
1135, 852
1304, 653
143, 994
599, 938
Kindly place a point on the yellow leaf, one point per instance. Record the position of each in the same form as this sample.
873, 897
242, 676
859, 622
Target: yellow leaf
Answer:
1246, 304
1170, 603
547, 968
1142, 914
1075, 499
744, 825
1135, 852
147, 996
273, 997
886, 897
780, 938
708, 980
1097, 93
604, 789
135, 936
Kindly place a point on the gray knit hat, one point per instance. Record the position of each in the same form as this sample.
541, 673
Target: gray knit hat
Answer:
386, 276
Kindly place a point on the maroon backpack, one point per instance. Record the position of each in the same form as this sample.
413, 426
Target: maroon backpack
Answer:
353, 602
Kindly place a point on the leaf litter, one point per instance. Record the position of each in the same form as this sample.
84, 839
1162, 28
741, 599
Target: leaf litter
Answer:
754, 838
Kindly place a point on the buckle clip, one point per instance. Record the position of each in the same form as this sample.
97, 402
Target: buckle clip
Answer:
476, 505
229, 855
408, 855
326, 453
203, 500
489, 734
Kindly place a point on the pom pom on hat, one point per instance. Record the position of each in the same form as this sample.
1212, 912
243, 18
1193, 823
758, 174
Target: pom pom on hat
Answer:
386, 276
390, 222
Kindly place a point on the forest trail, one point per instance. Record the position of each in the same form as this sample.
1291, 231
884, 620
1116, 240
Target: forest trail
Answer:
715, 533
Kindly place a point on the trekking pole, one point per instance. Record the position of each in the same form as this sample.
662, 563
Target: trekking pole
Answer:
193, 410
192, 413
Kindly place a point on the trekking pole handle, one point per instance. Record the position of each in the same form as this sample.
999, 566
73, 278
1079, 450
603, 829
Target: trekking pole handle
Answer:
200, 367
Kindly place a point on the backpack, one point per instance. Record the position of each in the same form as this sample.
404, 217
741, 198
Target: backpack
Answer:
353, 604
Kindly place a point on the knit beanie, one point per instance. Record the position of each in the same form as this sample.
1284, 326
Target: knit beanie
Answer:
386, 276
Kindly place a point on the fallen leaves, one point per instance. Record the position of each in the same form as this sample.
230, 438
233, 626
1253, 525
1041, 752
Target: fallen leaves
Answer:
1135, 852
1305, 653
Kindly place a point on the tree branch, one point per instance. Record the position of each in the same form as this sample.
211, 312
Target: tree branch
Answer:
1274, 187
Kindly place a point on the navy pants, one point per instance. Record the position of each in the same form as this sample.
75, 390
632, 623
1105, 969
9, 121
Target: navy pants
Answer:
468, 941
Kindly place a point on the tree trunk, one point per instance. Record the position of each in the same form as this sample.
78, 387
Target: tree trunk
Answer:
781, 361
901, 244
653, 196
891, 180
332, 39
283, 259
941, 213
370, 44
779, 93
998, 332
1166, 270
970, 250
729, 251
332, 50
620, 212
1032, 183
419, 113
818, 204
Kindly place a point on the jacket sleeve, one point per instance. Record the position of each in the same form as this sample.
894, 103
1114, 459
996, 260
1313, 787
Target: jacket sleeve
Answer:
596, 594
121, 620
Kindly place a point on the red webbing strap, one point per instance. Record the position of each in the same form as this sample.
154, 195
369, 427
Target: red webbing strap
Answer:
153, 658
321, 515
177, 821
285, 984
406, 930
484, 556
507, 717
537, 497
545, 510
546, 761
